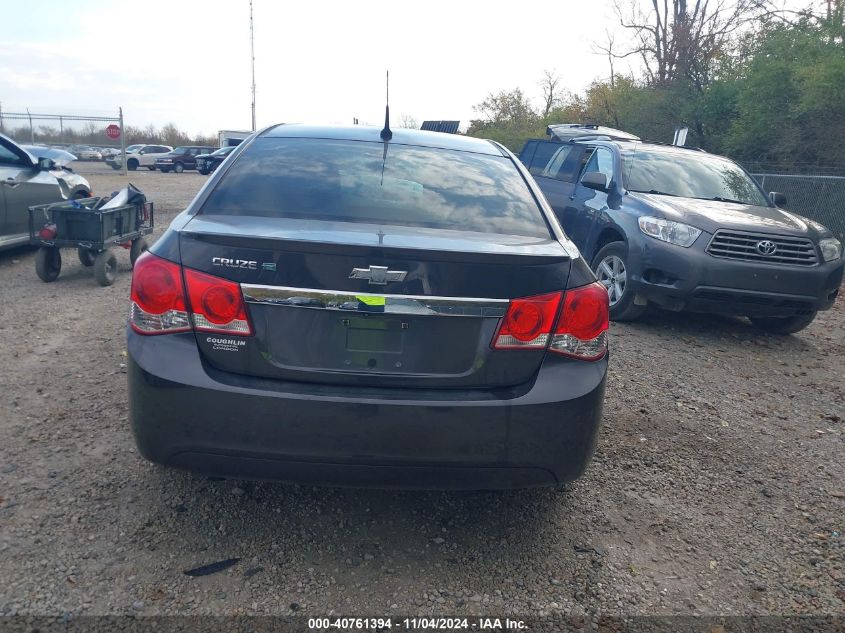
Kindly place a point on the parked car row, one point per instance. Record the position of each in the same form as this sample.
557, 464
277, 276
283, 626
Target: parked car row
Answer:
201, 158
83, 152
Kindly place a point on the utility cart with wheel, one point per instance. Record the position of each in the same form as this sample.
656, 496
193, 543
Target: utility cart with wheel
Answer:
91, 226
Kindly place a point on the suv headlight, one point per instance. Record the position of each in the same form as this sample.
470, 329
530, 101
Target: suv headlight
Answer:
669, 231
831, 248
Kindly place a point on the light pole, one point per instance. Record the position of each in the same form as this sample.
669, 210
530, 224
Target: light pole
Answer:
252, 56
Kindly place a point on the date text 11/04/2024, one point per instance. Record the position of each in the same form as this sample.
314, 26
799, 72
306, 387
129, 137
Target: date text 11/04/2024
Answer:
417, 624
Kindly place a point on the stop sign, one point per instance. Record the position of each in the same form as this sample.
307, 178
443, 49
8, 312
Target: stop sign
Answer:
113, 131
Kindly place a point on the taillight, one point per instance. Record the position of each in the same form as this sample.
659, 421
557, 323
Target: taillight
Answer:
528, 322
217, 305
160, 304
47, 232
581, 330
158, 299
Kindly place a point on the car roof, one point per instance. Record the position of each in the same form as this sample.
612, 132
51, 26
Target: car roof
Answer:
401, 136
654, 146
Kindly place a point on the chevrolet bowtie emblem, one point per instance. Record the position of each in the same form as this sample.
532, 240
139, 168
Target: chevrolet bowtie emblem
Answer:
378, 275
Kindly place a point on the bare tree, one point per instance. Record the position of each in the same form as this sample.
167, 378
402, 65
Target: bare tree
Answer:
552, 96
407, 121
607, 50
682, 38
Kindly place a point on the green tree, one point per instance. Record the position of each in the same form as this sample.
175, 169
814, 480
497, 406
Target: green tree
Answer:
507, 117
791, 94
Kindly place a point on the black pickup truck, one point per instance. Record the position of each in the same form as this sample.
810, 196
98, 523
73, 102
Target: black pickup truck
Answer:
181, 158
207, 163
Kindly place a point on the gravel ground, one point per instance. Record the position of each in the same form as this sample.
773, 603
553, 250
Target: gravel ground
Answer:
718, 486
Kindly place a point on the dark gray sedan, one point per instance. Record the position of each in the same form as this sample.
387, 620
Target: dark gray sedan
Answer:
348, 307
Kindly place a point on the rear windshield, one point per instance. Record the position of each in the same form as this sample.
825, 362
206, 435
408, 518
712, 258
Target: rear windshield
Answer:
365, 182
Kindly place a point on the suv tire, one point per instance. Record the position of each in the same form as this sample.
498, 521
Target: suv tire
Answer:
132, 164
178, 168
783, 325
611, 267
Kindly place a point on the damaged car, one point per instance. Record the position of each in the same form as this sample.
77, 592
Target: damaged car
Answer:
31, 175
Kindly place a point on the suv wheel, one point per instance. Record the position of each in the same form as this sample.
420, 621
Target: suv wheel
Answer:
784, 325
611, 268
178, 168
132, 164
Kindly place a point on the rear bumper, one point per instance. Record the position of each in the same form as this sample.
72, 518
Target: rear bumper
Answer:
187, 415
690, 279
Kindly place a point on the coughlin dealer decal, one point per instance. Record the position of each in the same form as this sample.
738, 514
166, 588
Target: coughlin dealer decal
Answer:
225, 344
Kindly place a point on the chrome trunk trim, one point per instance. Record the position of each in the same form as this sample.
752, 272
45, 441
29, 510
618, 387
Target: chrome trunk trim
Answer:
371, 302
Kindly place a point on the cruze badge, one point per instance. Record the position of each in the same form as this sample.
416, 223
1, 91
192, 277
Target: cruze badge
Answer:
766, 247
242, 263
378, 275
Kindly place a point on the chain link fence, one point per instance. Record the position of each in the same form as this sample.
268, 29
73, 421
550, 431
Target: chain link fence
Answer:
820, 198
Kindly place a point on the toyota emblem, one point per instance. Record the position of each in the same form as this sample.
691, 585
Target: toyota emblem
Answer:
766, 247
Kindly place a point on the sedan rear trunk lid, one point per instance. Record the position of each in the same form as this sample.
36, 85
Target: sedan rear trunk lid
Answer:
374, 305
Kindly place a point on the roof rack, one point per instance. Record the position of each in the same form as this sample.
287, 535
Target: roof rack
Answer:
587, 131
665, 144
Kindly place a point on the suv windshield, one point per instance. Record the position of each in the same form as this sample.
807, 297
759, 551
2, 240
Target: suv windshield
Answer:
690, 175
365, 182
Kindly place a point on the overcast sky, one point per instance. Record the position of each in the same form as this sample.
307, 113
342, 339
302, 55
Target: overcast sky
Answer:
187, 61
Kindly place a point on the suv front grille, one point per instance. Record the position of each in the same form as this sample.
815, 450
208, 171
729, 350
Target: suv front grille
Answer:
796, 251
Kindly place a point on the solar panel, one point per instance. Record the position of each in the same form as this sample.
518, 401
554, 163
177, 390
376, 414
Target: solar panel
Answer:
447, 127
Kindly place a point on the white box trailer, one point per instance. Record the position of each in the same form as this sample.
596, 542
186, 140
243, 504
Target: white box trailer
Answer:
228, 138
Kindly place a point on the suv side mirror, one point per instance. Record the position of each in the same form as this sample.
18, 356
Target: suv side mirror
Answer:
778, 199
46, 164
595, 180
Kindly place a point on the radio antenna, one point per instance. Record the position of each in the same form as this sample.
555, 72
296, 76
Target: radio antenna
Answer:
386, 134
